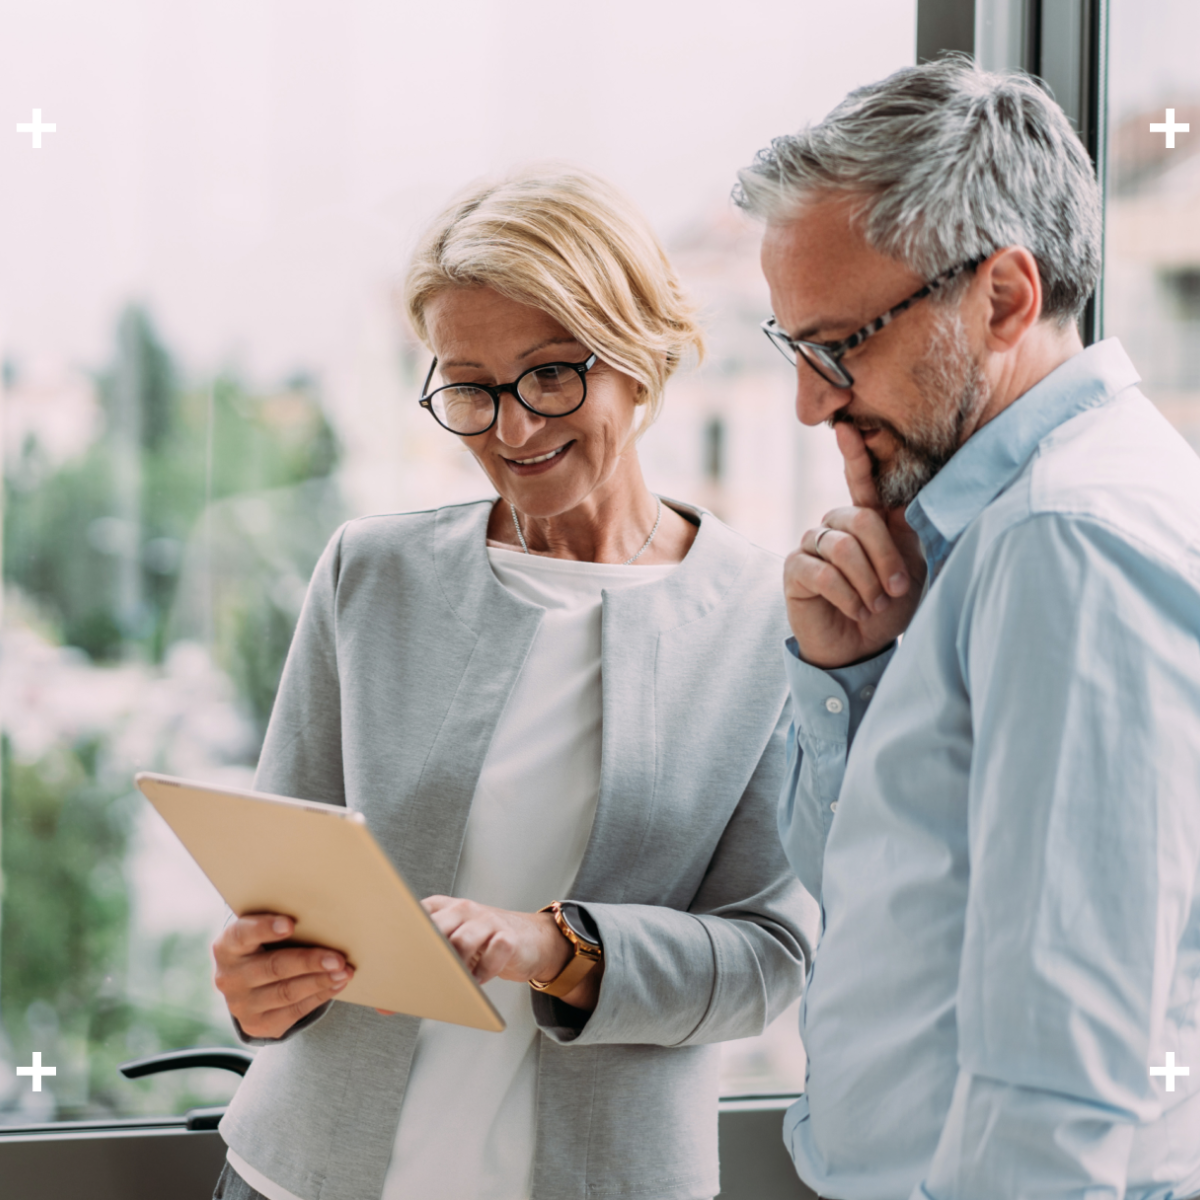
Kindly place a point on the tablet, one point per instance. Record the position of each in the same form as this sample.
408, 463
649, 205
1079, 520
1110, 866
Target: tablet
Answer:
319, 864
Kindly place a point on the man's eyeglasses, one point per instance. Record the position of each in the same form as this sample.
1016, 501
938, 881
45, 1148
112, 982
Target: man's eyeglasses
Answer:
826, 357
550, 390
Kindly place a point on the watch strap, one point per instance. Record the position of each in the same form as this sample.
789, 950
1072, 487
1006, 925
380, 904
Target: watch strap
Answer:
579, 965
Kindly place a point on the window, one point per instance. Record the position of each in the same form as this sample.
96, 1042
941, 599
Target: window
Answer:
1152, 252
204, 373
1118, 68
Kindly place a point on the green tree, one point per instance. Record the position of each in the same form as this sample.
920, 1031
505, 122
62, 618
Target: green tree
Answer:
197, 512
99, 543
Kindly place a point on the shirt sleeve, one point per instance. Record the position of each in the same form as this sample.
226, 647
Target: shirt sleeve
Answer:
1079, 651
827, 709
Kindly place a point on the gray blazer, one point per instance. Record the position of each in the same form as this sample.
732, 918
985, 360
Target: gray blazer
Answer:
405, 654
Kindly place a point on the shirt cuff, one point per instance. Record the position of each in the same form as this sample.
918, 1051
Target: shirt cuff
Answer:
829, 705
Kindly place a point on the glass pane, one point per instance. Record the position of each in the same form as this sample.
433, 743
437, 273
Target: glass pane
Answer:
1152, 251
159, 529
204, 372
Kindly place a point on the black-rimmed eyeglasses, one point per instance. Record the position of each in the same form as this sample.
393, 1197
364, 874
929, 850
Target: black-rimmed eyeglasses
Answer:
826, 357
549, 390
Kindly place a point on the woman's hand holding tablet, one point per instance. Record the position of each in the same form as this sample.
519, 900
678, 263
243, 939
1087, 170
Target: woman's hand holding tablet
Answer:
317, 871
267, 990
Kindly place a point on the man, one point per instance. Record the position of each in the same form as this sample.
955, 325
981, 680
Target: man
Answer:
1001, 814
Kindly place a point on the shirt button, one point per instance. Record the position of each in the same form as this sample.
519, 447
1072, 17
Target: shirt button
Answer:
833, 705
868, 691
833, 807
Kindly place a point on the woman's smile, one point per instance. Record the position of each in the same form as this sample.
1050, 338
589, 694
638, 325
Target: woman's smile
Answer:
536, 464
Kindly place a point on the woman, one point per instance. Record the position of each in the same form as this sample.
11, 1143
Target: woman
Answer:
567, 693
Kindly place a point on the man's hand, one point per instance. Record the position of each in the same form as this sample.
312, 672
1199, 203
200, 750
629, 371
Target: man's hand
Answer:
267, 990
854, 594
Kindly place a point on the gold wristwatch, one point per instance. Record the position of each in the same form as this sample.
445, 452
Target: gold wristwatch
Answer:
577, 927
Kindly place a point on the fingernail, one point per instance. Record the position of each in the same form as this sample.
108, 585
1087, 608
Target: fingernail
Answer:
280, 925
337, 976
330, 963
337, 987
898, 582
881, 602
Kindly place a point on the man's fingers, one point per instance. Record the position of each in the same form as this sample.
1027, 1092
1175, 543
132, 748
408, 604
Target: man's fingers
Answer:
846, 553
859, 478
865, 549
853, 584
819, 577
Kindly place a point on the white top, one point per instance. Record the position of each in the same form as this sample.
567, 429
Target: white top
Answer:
467, 1123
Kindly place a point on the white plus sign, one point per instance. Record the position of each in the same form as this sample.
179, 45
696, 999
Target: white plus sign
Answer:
1170, 129
37, 1071
1170, 1071
37, 129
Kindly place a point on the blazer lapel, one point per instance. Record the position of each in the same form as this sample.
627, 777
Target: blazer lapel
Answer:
639, 705
501, 628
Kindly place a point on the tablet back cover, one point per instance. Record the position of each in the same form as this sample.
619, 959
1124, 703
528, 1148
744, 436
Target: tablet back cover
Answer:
319, 864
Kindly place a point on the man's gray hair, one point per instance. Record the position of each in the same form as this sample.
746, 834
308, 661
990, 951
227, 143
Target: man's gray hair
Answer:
952, 163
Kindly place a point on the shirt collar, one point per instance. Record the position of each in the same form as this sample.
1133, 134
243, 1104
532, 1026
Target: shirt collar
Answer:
990, 459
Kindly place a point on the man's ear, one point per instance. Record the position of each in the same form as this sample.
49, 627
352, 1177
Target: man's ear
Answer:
1012, 287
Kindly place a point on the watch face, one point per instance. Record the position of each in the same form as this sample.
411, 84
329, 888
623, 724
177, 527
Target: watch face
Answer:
581, 924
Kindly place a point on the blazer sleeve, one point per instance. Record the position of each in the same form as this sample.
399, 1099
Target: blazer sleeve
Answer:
302, 752
723, 969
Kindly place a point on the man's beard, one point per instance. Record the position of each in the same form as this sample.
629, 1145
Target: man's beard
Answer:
954, 391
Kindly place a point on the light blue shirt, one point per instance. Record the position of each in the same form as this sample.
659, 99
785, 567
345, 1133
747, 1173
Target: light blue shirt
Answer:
1001, 819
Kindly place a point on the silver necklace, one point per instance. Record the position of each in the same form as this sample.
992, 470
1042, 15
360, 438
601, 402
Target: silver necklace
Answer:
512, 508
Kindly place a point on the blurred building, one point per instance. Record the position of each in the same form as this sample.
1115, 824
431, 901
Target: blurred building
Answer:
1152, 260
729, 433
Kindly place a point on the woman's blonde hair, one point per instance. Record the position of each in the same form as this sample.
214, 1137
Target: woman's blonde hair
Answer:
563, 241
